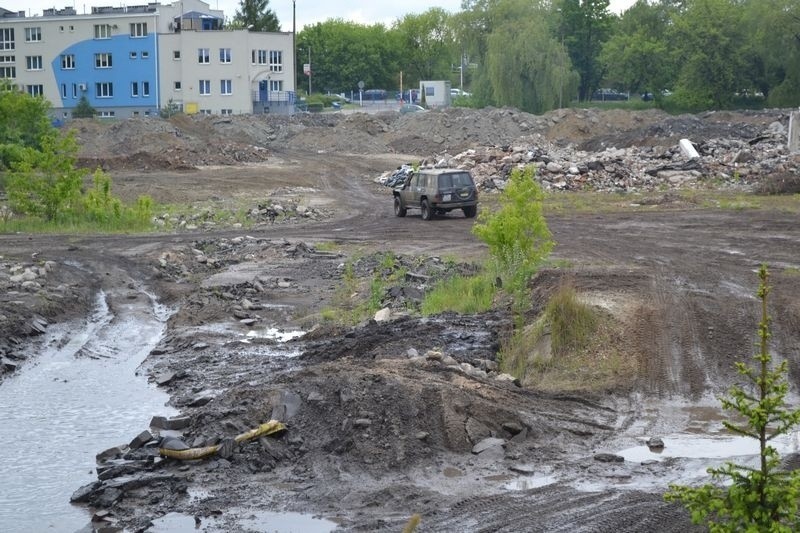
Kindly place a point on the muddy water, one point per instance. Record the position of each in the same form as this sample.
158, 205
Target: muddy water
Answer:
79, 395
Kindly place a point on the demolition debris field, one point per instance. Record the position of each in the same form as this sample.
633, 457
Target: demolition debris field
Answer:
411, 415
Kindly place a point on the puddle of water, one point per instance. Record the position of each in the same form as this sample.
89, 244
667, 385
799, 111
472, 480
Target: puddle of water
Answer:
79, 396
260, 521
266, 521
233, 331
708, 447
530, 482
279, 335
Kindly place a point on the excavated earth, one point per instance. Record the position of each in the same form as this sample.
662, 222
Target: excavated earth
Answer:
410, 415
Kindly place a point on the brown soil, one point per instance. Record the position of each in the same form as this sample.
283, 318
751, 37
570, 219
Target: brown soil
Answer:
375, 434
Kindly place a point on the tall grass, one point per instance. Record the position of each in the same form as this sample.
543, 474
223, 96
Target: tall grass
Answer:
569, 346
572, 322
472, 294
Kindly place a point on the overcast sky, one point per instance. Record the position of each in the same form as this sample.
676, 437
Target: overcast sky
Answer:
308, 11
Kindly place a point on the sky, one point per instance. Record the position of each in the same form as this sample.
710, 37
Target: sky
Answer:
308, 11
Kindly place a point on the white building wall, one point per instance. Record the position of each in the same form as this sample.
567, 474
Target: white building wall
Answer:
182, 72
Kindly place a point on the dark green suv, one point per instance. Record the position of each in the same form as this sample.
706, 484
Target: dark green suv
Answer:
437, 191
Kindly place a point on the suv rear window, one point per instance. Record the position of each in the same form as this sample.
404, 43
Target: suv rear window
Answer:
449, 181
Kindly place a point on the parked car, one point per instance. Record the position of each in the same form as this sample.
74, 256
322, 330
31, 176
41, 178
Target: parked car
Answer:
455, 93
411, 108
605, 95
374, 95
436, 192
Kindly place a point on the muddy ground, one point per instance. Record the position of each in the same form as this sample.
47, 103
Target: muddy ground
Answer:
383, 418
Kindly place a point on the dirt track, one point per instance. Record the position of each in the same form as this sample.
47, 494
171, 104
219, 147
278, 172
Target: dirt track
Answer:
374, 435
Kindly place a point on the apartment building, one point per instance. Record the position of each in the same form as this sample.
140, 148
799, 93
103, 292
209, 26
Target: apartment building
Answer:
136, 60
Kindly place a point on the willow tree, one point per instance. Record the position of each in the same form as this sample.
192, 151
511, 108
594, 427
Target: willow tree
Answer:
527, 68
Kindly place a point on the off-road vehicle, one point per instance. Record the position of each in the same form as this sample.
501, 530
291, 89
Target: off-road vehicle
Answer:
436, 191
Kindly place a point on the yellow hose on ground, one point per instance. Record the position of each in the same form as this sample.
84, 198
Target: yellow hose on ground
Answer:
268, 428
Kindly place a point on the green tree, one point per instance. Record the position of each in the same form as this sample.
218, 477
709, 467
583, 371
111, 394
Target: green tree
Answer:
84, 109
520, 60
517, 233
771, 25
584, 26
528, 69
637, 57
344, 53
426, 41
23, 123
255, 15
709, 50
45, 183
746, 499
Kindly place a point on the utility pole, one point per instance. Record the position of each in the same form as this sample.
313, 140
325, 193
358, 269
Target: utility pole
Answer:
294, 47
309, 70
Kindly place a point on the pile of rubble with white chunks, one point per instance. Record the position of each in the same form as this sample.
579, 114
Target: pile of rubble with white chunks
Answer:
735, 164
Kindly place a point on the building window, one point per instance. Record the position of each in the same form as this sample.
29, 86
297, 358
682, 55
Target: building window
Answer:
139, 29
33, 35
135, 89
7, 69
206, 112
72, 28
133, 55
106, 114
33, 62
224, 55
145, 88
275, 85
63, 90
205, 87
74, 90
68, 62
6, 38
226, 112
176, 55
225, 87
61, 29
102, 31
177, 86
35, 90
260, 57
104, 90
145, 54
275, 61
203, 56
102, 60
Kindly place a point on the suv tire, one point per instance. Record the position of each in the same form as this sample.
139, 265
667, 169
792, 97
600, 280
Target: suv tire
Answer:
470, 211
425, 208
399, 210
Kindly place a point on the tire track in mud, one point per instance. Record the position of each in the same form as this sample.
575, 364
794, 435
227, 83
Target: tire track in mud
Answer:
561, 509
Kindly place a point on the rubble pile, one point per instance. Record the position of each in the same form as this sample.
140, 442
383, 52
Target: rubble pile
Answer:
286, 211
34, 292
722, 163
573, 149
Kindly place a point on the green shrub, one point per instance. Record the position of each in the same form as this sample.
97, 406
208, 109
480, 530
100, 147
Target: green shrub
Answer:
517, 233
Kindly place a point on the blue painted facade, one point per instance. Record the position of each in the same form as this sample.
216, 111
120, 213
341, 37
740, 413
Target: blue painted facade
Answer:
134, 60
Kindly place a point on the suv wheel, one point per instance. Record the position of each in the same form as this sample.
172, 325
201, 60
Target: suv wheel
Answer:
399, 210
470, 211
427, 213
